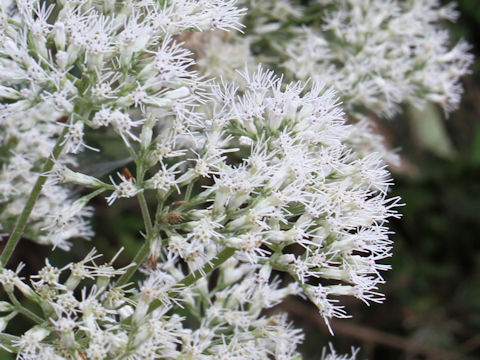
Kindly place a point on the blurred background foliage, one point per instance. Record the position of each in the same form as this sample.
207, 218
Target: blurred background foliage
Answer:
433, 291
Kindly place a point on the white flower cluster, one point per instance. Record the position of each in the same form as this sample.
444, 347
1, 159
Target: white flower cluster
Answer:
253, 182
272, 181
376, 54
76, 64
299, 198
27, 136
107, 322
413, 60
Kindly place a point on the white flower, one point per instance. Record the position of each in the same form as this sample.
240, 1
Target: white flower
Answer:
333, 355
123, 123
74, 138
30, 342
125, 189
164, 179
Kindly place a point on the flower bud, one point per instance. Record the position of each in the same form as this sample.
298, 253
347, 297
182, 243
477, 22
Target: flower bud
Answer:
9, 93
26, 290
65, 175
59, 30
5, 319
6, 306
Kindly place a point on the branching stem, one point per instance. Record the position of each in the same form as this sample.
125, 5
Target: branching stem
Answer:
23, 310
222, 257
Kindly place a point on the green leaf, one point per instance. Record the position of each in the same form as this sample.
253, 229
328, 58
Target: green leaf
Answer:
429, 129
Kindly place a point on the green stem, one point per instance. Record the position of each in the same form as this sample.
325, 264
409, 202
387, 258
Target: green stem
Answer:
144, 250
24, 311
158, 213
145, 215
222, 257
93, 194
37, 188
141, 198
139, 258
188, 193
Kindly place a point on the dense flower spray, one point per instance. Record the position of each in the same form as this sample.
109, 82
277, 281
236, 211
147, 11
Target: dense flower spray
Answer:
247, 179
376, 54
